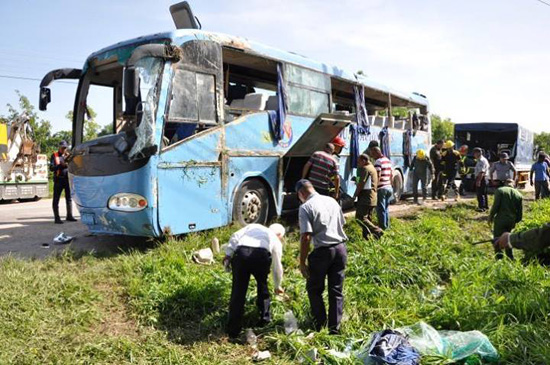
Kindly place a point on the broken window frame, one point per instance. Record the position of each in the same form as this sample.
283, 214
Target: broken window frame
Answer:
195, 59
293, 84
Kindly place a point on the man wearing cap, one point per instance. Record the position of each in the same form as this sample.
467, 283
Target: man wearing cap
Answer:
506, 212
480, 172
422, 170
253, 250
322, 223
504, 169
322, 172
339, 144
435, 157
61, 182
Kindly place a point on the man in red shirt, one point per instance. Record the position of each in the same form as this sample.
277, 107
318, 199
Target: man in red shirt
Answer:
322, 171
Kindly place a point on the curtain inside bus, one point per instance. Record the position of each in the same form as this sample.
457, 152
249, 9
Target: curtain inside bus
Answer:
361, 126
277, 117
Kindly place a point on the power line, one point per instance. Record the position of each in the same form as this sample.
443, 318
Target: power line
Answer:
32, 79
544, 2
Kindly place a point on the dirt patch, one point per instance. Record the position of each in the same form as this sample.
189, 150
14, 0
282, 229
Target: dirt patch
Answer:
115, 320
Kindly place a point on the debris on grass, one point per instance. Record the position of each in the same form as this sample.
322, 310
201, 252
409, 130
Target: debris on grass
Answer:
389, 347
261, 356
204, 256
291, 323
454, 345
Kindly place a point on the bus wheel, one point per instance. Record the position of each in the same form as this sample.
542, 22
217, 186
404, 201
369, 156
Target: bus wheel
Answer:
251, 204
397, 186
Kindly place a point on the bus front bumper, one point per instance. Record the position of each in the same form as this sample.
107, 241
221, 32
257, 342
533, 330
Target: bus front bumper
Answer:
107, 221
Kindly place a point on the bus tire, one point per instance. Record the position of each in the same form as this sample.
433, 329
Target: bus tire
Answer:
251, 203
397, 186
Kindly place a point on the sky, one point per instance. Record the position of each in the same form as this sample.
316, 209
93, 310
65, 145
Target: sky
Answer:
476, 61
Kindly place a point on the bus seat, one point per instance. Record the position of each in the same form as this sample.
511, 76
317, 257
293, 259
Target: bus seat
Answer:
237, 104
272, 103
254, 101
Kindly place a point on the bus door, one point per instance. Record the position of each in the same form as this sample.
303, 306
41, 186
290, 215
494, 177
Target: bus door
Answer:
323, 129
190, 194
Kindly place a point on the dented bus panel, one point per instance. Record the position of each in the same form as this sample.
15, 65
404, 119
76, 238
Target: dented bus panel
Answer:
193, 146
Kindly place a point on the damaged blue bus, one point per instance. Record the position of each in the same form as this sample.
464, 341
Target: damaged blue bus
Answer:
211, 129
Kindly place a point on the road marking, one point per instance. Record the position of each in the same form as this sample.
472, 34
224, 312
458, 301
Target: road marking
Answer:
5, 236
12, 225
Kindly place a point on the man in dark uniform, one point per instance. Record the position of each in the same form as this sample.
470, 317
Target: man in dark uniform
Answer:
450, 159
61, 182
435, 157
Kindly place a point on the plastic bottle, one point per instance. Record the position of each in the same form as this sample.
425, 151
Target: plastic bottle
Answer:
291, 323
216, 245
251, 338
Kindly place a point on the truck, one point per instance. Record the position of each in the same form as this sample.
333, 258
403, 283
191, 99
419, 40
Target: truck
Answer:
495, 138
23, 170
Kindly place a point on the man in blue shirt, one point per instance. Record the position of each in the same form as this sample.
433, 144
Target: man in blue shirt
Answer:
540, 170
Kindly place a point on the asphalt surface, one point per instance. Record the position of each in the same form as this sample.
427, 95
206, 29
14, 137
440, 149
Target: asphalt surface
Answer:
27, 230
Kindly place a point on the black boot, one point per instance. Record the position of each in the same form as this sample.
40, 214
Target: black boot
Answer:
56, 215
70, 217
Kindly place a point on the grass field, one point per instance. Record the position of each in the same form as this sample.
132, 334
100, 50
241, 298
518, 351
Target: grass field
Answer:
159, 307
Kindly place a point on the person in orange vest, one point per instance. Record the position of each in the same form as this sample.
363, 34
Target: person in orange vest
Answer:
61, 182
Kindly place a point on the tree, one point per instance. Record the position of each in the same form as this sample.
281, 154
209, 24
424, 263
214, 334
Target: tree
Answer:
442, 128
542, 141
41, 128
91, 127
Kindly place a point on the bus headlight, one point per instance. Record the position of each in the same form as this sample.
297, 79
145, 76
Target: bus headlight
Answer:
127, 202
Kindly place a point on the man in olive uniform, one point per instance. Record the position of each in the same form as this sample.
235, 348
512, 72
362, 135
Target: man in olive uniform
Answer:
366, 194
59, 167
423, 170
506, 212
534, 240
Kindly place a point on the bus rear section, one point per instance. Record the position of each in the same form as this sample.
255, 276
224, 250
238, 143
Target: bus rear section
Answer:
495, 138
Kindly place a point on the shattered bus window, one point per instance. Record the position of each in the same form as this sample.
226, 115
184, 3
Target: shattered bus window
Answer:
150, 74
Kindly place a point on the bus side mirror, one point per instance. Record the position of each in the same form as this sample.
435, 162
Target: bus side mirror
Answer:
44, 99
131, 83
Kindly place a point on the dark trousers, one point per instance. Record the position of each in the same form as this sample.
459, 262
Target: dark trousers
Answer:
248, 261
482, 199
448, 182
60, 184
327, 262
499, 227
423, 182
541, 189
436, 184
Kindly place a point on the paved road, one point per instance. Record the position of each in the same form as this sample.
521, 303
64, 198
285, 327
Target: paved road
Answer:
25, 227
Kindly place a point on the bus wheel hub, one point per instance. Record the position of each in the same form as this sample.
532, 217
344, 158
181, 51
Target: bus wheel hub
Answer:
251, 206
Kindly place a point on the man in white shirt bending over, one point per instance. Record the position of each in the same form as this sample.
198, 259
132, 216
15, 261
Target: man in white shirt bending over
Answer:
252, 250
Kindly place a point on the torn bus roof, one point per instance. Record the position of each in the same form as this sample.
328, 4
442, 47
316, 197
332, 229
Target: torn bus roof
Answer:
123, 50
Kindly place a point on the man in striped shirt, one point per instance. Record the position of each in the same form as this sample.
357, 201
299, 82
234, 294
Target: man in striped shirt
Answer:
385, 191
322, 171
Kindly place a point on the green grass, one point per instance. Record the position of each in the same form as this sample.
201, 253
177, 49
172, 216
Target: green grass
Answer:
159, 307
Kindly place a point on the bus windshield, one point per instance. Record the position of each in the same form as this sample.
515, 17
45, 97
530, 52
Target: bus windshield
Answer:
133, 119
